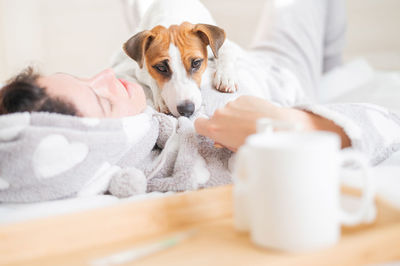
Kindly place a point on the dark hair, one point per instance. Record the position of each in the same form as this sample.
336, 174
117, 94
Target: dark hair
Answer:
23, 94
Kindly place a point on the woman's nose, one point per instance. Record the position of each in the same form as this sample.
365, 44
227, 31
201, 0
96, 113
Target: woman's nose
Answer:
104, 79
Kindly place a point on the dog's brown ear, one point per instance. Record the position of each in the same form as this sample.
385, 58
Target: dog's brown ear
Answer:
137, 45
211, 35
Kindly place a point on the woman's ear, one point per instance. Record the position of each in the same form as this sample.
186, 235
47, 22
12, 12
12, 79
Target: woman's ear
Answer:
211, 35
137, 45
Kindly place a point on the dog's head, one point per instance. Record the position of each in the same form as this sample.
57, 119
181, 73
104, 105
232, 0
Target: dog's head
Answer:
176, 59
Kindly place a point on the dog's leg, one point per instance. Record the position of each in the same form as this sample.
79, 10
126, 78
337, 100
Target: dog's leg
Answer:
225, 77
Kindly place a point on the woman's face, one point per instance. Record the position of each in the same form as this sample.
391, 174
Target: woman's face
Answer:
100, 96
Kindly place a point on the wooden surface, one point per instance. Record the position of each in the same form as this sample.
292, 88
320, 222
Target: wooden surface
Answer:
78, 239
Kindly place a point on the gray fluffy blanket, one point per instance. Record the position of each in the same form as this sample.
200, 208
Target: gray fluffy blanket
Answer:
49, 156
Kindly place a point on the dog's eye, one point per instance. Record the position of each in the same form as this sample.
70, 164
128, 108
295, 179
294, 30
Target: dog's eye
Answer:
196, 63
161, 68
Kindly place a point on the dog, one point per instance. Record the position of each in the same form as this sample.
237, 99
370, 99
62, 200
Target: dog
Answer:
176, 38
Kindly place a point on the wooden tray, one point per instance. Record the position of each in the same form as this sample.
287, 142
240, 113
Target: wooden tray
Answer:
79, 238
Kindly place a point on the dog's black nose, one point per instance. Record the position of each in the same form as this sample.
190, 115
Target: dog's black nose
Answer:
186, 108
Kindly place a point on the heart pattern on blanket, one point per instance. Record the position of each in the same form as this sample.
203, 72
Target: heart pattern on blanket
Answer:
12, 125
55, 155
136, 127
4, 184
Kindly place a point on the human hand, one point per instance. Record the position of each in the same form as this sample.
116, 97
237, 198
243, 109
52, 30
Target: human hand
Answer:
232, 124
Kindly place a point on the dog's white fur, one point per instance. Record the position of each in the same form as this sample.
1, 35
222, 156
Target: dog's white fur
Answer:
181, 87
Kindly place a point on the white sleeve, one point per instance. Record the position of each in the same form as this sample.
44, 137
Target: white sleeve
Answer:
373, 130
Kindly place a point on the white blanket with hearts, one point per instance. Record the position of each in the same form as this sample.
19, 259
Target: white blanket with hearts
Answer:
47, 156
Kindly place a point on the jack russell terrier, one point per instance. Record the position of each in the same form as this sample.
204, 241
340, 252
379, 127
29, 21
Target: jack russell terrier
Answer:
171, 52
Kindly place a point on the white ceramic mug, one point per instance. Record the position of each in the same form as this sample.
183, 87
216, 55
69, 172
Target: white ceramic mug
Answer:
287, 189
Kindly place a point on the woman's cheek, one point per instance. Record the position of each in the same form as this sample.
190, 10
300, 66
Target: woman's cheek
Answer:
140, 98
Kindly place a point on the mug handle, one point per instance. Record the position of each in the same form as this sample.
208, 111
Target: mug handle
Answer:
240, 190
368, 192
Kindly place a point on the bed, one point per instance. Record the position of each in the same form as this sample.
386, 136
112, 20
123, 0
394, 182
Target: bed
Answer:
360, 83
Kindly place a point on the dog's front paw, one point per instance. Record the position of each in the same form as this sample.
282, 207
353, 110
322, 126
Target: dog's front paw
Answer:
225, 80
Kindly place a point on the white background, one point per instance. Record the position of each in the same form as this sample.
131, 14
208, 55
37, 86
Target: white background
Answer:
80, 36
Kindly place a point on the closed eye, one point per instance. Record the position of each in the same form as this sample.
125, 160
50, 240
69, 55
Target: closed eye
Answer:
100, 102
108, 102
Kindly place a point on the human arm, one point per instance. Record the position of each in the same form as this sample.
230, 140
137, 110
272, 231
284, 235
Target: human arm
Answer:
367, 128
230, 125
